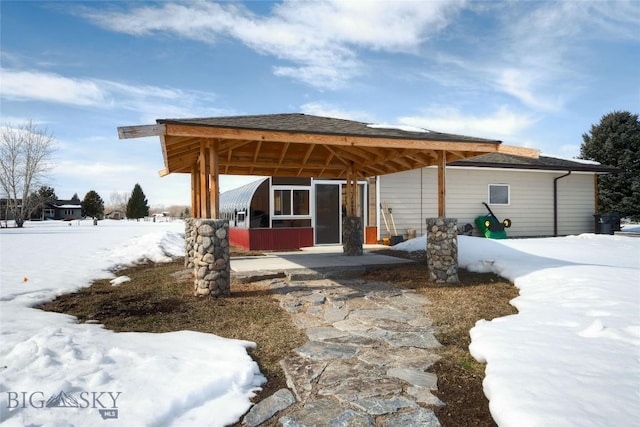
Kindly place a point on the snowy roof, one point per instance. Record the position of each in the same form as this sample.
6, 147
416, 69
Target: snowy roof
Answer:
68, 206
508, 161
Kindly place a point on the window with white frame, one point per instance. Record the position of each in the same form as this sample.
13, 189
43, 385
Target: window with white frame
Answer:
291, 202
499, 194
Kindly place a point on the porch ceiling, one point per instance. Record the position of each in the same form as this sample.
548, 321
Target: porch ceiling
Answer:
307, 146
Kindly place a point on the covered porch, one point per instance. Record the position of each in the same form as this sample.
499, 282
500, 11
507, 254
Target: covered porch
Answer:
300, 146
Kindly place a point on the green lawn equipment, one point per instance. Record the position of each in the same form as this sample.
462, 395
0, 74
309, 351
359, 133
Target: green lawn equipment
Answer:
491, 227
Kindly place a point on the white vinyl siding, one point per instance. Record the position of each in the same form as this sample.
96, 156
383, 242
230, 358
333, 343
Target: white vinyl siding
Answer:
530, 206
576, 204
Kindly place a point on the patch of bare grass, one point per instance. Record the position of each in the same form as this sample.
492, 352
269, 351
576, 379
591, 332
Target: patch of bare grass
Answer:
155, 301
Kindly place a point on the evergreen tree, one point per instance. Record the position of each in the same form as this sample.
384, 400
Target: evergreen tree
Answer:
615, 141
43, 197
93, 205
47, 193
137, 207
75, 198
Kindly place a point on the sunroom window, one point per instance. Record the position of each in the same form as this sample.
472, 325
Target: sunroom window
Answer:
291, 202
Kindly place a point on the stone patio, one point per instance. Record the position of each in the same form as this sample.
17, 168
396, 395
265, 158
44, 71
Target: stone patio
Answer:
366, 362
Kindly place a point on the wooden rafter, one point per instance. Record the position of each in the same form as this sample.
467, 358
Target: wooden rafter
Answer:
206, 147
307, 138
255, 156
337, 156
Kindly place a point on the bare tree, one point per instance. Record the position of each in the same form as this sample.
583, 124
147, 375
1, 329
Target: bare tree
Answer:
118, 201
25, 155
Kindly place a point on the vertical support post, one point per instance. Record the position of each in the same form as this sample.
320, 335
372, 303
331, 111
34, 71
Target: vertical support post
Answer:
356, 191
205, 208
352, 235
349, 206
194, 191
197, 208
214, 195
442, 185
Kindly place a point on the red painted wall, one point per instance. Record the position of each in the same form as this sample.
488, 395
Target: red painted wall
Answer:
270, 239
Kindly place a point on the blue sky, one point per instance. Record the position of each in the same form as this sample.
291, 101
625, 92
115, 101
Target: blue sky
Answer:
535, 74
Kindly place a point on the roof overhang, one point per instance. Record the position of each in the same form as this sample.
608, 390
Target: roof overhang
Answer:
274, 151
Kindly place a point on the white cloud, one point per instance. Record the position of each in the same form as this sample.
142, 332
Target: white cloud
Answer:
320, 39
49, 87
91, 169
522, 84
543, 56
502, 124
149, 102
538, 53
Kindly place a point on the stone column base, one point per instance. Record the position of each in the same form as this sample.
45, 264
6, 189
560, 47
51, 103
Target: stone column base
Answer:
442, 250
207, 247
352, 235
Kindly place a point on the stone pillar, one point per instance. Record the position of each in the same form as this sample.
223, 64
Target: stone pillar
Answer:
352, 235
442, 250
207, 246
190, 233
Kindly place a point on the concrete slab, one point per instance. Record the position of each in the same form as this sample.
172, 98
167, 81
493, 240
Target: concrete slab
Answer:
311, 258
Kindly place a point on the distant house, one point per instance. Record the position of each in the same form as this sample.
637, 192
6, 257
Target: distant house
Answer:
60, 209
66, 209
117, 215
5, 213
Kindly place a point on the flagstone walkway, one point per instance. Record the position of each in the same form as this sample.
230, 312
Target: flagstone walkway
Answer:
366, 362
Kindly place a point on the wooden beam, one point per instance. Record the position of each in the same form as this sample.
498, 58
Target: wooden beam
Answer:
205, 208
163, 146
334, 140
306, 157
195, 179
518, 151
442, 186
349, 191
256, 154
194, 192
282, 154
356, 191
231, 145
214, 196
337, 156
142, 131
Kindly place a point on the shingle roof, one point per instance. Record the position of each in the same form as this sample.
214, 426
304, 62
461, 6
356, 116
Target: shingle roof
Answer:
507, 161
305, 123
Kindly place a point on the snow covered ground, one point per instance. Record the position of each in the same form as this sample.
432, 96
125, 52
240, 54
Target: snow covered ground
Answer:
571, 356
92, 376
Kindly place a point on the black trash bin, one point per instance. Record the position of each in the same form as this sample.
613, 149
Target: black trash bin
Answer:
607, 223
